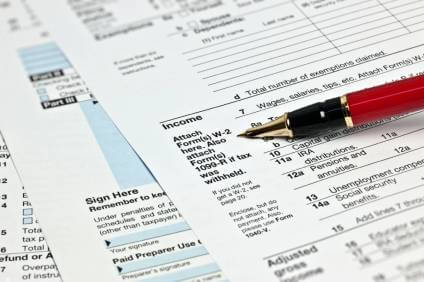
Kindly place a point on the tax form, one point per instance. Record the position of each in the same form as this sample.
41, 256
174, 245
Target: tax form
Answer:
103, 212
182, 78
24, 253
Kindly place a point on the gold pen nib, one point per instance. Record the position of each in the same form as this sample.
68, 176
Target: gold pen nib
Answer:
276, 128
244, 134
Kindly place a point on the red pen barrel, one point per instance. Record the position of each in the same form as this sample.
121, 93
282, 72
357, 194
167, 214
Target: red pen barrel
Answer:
388, 100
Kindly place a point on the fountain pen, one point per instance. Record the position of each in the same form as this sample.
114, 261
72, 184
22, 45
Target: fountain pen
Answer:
350, 110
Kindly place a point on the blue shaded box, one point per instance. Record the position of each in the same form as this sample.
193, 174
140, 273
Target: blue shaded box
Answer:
44, 98
27, 220
27, 212
41, 90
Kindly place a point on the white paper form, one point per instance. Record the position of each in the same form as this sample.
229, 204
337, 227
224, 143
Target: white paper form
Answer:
106, 216
24, 253
346, 206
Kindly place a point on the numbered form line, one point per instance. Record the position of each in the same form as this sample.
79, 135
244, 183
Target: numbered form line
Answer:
390, 257
358, 149
324, 91
363, 185
310, 79
373, 201
359, 167
343, 232
340, 137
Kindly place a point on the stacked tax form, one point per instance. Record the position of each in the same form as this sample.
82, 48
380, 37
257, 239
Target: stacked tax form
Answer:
120, 160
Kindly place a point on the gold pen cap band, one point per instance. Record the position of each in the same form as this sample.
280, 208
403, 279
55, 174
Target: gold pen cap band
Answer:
346, 111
